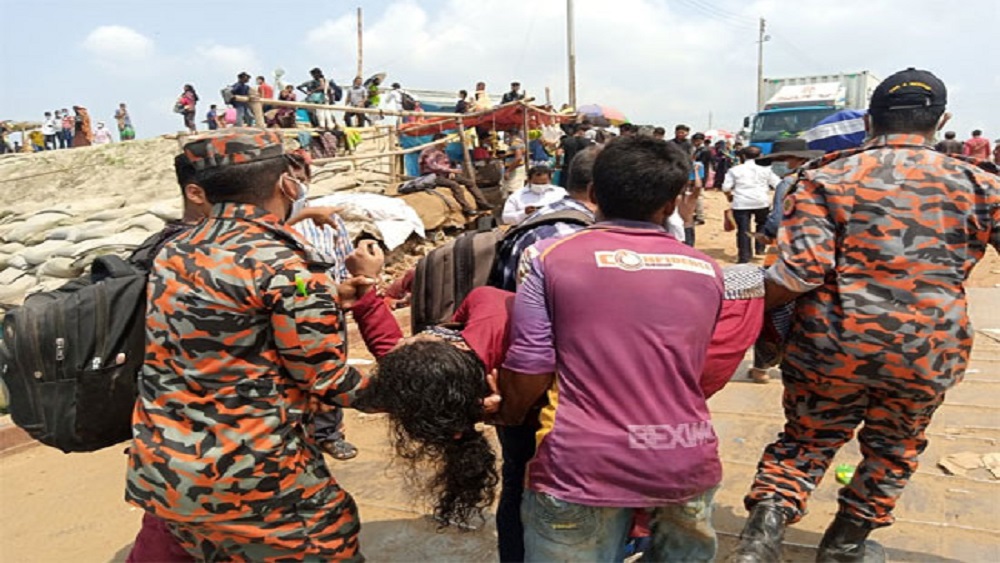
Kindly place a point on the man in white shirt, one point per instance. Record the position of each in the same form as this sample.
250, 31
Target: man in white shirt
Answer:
537, 194
748, 187
49, 128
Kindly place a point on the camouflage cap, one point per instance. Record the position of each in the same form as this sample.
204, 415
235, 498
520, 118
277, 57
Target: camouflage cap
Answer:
228, 147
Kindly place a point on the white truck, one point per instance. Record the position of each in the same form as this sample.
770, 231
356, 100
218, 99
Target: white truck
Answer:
794, 105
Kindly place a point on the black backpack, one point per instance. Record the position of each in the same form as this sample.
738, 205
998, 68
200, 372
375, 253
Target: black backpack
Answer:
446, 276
70, 357
334, 92
408, 102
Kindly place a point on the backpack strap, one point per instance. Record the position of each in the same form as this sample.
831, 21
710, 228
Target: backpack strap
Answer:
110, 266
568, 216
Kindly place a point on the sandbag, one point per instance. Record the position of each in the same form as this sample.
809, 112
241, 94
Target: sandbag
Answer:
38, 254
11, 247
33, 229
167, 210
146, 222
119, 213
61, 267
14, 284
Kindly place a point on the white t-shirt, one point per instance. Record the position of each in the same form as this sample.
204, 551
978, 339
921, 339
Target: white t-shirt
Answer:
50, 126
515, 209
751, 185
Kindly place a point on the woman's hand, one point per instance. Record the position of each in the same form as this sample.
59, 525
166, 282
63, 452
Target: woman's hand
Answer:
353, 289
491, 402
366, 260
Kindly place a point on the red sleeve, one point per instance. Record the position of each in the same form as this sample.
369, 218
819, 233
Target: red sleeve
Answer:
377, 325
485, 314
739, 324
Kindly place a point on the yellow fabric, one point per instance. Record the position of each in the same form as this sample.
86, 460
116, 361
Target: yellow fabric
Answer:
547, 417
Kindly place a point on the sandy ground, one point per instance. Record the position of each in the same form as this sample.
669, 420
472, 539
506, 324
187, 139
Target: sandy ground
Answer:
69, 508
58, 507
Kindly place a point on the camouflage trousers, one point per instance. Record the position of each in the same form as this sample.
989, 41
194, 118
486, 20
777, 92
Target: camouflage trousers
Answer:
821, 415
325, 532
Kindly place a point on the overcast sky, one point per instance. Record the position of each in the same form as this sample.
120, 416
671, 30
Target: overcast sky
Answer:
659, 61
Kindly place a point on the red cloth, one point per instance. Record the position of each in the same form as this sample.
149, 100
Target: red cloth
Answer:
740, 322
266, 91
485, 316
377, 326
155, 544
977, 147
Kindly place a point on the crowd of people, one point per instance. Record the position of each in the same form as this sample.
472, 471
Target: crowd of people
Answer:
602, 447
61, 129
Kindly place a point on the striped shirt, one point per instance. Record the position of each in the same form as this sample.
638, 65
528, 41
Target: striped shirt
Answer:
332, 244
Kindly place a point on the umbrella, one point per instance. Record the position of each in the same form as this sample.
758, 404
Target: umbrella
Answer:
596, 112
719, 134
842, 130
378, 76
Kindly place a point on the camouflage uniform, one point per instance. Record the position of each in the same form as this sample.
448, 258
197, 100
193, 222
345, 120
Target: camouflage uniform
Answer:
243, 330
879, 240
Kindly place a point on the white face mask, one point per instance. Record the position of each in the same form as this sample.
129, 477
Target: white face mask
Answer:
299, 203
537, 189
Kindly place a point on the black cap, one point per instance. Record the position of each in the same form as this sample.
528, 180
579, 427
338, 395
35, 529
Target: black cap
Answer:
910, 88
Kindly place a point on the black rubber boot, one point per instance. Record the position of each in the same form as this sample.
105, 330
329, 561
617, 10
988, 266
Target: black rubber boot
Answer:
760, 540
846, 541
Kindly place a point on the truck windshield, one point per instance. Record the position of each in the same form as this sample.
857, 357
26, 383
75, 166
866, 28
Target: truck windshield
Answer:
785, 124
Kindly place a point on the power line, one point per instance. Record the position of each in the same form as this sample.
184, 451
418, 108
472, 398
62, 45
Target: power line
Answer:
733, 16
706, 10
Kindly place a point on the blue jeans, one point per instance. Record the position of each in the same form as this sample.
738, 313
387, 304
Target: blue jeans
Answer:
328, 425
555, 530
241, 115
746, 246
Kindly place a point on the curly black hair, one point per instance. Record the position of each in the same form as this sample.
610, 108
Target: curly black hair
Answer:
432, 391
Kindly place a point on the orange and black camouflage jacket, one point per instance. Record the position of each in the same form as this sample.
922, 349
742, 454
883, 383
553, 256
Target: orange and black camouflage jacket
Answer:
243, 329
880, 240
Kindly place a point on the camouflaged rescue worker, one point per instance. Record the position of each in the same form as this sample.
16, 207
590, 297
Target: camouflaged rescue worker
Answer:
875, 245
245, 330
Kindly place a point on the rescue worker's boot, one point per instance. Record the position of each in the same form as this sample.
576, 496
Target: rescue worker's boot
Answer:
846, 541
760, 540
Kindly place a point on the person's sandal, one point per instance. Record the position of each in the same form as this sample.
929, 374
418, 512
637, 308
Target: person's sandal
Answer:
339, 449
758, 375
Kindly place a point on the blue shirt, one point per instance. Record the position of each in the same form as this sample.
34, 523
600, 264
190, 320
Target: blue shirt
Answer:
240, 89
777, 210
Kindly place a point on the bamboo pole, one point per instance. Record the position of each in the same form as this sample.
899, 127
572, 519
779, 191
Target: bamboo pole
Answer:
256, 107
470, 170
399, 152
361, 50
400, 113
524, 138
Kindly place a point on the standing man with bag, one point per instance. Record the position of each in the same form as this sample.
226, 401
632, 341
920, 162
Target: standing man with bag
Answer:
875, 245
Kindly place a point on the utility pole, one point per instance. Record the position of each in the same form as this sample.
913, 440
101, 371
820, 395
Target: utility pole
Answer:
761, 38
360, 45
571, 49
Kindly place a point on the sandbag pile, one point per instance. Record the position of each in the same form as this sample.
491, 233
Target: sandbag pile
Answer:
41, 250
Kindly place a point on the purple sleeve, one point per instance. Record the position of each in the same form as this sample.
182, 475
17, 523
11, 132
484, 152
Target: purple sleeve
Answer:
532, 349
